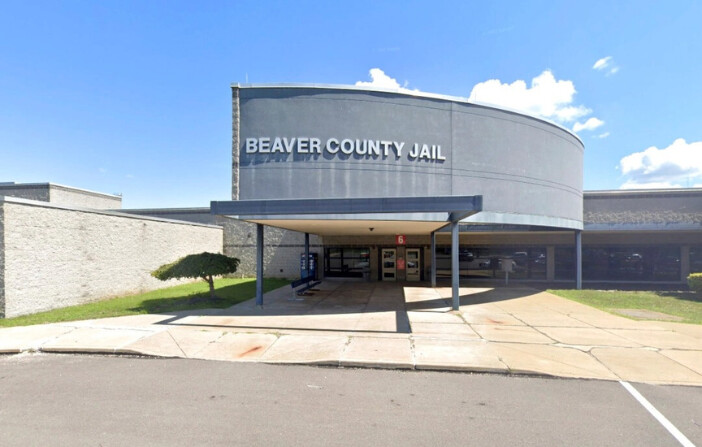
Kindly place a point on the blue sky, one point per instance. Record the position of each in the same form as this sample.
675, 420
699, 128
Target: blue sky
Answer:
134, 97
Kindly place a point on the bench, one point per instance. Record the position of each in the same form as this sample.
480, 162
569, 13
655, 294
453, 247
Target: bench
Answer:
308, 283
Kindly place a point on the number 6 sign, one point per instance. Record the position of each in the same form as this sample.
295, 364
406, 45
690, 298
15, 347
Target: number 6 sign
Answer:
400, 239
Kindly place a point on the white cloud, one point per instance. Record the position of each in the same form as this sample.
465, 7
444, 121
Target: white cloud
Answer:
546, 97
677, 165
602, 135
606, 65
601, 64
381, 80
591, 124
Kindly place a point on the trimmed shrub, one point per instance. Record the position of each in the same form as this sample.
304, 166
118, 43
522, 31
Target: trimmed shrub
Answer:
694, 282
204, 265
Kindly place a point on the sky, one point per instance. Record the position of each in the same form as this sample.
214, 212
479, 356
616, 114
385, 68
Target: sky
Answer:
133, 97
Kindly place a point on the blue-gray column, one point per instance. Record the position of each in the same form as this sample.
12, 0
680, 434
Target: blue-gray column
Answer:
307, 255
433, 258
578, 259
454, 265
259, 264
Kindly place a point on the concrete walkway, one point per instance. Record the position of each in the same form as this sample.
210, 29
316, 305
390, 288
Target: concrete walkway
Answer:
387, 325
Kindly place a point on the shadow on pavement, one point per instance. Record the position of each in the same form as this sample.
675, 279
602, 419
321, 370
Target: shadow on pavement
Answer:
476, 296
342, 307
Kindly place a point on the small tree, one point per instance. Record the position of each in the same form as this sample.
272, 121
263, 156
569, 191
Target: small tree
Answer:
204, 265
694, 281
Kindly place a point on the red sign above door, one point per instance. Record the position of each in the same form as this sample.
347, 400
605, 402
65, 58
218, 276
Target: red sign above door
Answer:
400, 239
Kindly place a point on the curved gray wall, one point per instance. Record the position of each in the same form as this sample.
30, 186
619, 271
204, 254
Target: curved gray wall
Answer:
529, 171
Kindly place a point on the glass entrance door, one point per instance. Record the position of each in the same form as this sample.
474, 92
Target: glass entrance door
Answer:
389, 263
414, 265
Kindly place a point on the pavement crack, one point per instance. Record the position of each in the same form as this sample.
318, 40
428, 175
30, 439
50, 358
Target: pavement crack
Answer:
177, 344
277, 337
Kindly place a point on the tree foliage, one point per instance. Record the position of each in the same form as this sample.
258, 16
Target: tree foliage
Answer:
694, 281
203, 265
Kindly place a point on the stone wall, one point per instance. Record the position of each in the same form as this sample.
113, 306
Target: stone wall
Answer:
282, 249
649, 207
2, 259
80, 198
59, 256
33, 191
61, 195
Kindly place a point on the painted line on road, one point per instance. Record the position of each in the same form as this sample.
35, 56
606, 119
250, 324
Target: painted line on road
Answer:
682, 439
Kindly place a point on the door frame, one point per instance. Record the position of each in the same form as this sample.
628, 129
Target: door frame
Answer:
419, 261
382, 263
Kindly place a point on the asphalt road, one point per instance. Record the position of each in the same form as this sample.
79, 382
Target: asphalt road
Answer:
51, 400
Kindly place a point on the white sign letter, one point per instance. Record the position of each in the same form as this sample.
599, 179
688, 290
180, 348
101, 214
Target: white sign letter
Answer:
264, 145
251, 145
332, 145
315, 146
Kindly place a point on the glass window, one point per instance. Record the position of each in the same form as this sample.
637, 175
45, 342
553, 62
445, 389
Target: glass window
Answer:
346, 262
486, 262
621, 263
565, 263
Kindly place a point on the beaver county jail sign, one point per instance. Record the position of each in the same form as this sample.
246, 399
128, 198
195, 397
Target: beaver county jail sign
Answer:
364, 148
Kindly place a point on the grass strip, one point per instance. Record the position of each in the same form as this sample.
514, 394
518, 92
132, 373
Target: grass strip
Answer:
686, 305
190, 296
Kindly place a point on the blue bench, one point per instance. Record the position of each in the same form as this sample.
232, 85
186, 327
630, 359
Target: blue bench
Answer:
308, 283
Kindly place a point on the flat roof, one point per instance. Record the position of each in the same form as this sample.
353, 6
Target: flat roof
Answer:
642, 192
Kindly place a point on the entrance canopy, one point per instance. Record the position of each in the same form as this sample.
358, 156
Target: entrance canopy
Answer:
355, 216
348, 216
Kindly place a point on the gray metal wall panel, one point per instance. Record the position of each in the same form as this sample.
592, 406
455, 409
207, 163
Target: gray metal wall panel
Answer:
521, 165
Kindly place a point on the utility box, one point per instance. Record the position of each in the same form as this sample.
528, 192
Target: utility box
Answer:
314, 273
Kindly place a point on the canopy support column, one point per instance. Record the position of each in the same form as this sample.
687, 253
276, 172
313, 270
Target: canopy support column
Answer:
454, 265
433, 258
259, 265
308, 270
578, 259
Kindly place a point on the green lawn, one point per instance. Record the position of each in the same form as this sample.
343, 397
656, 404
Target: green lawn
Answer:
687, 305
184, 297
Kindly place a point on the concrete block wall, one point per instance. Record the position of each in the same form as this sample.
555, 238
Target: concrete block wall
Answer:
59, 256
2, 259
61, 195
281, 254
80, 198
34, 191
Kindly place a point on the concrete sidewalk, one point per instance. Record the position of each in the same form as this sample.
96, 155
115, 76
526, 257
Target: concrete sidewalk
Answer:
387, 325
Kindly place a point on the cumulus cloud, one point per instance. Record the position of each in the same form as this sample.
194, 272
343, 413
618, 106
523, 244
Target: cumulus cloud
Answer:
591, 124
381, 80
601, 64
602, 135
545, 97
606, 65
674, 166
